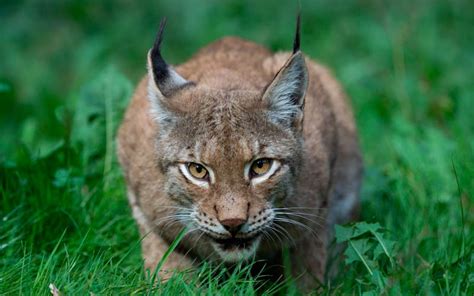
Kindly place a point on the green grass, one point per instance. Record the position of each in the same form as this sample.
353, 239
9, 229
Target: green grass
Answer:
66, 72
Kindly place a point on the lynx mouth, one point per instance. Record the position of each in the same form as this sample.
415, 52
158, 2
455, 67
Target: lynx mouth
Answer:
235, 243
234, 249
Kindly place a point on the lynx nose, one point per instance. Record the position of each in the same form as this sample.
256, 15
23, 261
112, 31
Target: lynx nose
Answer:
233, 225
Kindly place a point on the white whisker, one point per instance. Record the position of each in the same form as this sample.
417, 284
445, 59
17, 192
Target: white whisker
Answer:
285, 233
297, 223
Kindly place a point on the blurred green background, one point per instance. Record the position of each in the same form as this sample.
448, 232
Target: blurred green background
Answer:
67, 69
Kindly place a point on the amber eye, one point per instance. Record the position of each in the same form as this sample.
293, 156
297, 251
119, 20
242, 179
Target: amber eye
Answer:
197, 171
260, 166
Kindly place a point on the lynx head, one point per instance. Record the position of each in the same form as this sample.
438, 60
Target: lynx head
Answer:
229, 157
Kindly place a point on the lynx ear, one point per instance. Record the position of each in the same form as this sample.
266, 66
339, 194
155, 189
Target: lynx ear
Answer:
161, 76
284, 96
163, 82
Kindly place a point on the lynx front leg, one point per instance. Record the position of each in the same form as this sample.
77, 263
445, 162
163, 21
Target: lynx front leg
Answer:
154, 247
308, 262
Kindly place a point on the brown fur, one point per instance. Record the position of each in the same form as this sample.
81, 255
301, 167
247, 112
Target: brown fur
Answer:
223, 114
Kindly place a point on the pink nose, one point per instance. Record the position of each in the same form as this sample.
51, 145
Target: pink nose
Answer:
233, 225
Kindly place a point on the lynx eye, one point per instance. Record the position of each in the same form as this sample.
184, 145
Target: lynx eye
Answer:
197, 171
260, 166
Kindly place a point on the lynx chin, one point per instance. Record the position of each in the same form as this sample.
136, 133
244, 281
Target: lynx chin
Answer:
252, 151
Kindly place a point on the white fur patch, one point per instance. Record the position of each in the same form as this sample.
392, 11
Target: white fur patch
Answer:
237, 254
158, 113
176, 78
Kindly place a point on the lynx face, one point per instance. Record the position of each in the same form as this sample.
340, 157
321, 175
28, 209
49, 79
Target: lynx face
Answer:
229, 165
228, 157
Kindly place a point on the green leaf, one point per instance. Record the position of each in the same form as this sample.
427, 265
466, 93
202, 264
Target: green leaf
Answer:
379, 279
364, 227
343, 233
355, 252
384, 246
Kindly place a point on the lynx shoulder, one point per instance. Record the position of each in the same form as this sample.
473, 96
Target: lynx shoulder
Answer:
251, 151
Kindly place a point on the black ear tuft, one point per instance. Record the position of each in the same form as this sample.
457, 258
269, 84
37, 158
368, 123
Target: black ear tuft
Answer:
165, 78
296, 42
159, 66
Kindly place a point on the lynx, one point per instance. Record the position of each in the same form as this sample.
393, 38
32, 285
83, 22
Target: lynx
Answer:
253, 152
